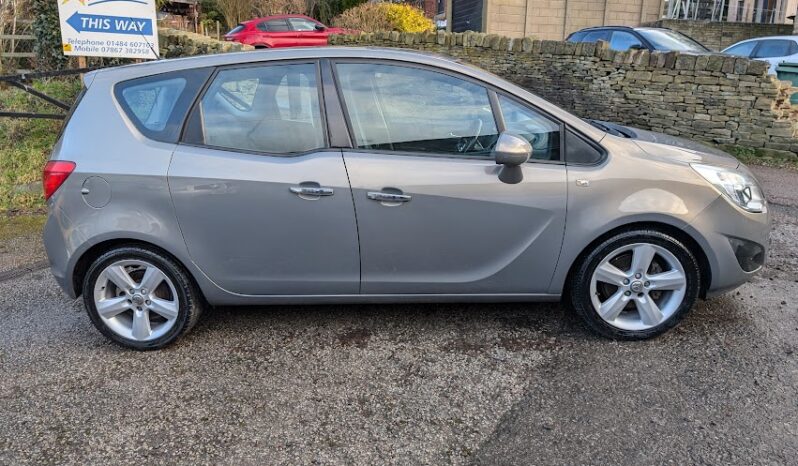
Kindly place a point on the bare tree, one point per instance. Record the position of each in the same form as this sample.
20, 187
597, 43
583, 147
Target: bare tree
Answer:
235, 11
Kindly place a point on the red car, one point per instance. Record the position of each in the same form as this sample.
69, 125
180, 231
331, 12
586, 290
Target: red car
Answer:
282, 31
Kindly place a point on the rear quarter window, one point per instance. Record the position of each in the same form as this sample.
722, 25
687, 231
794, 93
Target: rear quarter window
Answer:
157, 105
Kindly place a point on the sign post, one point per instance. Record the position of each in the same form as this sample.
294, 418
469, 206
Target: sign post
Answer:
109, 28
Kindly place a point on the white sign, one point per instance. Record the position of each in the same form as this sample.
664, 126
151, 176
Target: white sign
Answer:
109, 28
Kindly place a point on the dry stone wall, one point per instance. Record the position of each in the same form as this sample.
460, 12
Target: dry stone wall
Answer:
712, 98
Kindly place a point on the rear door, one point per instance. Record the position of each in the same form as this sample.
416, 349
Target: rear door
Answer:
264, 204
433, 216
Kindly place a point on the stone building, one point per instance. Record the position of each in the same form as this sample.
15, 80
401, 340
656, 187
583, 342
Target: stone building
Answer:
547, 19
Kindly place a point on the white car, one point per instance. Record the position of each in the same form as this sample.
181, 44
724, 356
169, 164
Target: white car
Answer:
774, 50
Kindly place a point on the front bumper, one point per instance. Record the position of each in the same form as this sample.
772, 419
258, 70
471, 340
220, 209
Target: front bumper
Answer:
727, 233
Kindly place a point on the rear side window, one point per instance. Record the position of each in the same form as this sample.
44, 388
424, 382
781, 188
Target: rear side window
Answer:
157, 105
273, 109
275, 25
577, 36
595, 36
775, 48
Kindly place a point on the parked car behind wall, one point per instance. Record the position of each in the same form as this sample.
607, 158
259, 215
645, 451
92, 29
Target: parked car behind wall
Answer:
282, 31
775, 50
622, 38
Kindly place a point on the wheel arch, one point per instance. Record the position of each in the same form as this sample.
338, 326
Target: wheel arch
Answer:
91, 254
682, 236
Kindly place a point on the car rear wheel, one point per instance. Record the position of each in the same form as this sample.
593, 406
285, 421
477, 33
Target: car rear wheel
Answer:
140, 298
636, 285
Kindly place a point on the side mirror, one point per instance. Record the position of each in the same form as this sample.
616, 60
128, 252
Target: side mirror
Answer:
511, 151
320, 28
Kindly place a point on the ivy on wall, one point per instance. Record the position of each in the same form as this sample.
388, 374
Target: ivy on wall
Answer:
46, 29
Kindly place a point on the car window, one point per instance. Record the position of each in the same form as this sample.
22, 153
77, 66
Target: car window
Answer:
775, 48
594, 36
274, 25
667, 40
236, 29
300, 24
157, 105
742, 50
577, 36
409, 109
541, 132
622, 41
578, 150
273, 109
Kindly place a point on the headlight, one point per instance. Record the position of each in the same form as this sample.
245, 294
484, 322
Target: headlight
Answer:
738, 186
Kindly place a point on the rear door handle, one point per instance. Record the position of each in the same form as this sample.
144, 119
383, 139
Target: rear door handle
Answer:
388, 197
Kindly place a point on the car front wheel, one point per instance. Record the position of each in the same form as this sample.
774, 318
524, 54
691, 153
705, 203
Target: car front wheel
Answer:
140, 298
636, 285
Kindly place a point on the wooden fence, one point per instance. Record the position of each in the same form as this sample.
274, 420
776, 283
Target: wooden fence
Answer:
16, 49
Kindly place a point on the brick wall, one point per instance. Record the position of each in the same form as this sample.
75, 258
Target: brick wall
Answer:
555, 19
718, 99
719, 35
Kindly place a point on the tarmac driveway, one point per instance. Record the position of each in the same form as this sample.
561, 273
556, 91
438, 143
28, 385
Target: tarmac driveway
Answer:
409, 384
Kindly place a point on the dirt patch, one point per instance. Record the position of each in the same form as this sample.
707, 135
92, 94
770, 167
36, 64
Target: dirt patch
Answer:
358, 338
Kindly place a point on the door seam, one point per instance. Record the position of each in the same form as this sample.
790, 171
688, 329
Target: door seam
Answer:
357, 227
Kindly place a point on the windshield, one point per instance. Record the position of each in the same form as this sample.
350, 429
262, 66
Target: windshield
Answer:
666, 40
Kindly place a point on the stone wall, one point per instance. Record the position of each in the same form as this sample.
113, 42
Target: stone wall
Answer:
713, 98
175, 43
719, 35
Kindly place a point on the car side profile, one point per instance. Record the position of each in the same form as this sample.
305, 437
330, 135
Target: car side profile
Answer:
350, 175
282, 31
775, 50
623, 38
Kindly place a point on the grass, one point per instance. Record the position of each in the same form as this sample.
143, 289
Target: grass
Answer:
751, 156
14, 226
25, 144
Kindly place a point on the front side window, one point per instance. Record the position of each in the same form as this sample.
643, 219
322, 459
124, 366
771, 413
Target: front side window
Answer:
542, 133
667, 40
299, 24
273, 109
775, 48
408, 109
742, 50
622, 41
157, 105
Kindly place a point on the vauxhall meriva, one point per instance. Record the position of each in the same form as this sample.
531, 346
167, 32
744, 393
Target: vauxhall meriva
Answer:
364, 175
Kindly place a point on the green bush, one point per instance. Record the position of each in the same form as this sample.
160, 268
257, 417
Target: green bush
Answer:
47, 30
372, 17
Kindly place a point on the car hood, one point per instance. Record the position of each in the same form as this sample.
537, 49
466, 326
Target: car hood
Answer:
671, 147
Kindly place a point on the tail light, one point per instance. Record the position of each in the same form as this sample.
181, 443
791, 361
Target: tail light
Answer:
54, 175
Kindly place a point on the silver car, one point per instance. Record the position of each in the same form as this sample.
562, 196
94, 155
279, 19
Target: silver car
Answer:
349, 175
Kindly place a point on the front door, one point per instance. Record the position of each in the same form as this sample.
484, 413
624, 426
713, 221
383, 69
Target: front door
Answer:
433, 216
264, 206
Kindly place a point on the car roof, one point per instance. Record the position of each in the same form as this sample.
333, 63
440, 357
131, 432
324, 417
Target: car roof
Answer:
266, 55
754, 39
266, 18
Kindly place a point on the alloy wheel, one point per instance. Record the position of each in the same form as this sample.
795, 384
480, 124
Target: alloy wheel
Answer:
136, 300
638, 286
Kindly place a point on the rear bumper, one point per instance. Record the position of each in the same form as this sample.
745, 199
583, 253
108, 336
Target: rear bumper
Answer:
55, 244
720, 228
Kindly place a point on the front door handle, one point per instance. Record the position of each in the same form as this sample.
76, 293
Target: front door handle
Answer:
311, 191
388, 197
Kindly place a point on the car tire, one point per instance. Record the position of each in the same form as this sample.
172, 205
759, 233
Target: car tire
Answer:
126, 312
620, 297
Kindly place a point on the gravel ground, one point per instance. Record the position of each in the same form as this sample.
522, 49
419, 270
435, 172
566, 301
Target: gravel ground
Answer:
409, 384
